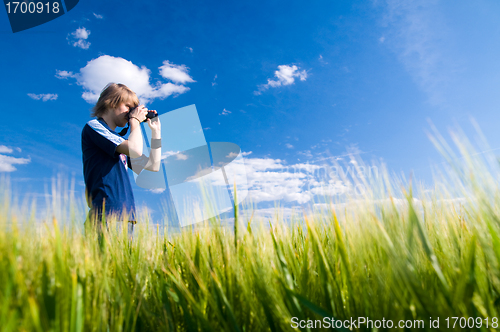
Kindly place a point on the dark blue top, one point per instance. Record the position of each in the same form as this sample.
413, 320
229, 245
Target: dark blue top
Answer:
105, 170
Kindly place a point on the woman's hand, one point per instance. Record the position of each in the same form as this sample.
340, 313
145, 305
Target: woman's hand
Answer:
155, 126
139, 113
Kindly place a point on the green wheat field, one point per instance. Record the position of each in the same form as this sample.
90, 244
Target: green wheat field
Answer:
401, 251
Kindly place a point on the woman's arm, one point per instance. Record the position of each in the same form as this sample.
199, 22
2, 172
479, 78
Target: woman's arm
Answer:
154, 161
133, 146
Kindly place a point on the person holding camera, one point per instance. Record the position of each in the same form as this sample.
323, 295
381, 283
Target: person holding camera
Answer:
107, 155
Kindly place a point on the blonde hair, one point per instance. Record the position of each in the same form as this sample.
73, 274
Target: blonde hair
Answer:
112, 96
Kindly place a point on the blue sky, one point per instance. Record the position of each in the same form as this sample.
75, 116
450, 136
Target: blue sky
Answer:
290, 82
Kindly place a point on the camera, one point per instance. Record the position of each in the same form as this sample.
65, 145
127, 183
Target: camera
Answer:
151, 115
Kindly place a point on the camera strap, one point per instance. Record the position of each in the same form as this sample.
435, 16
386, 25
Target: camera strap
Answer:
123, 132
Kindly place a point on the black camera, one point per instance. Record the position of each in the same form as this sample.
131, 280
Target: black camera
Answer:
151, 115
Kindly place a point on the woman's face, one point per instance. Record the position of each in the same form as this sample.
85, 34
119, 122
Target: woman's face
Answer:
121, 114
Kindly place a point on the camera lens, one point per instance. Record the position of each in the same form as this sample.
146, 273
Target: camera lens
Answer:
151, 115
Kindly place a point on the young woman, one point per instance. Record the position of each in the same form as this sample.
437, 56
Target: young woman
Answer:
107, 155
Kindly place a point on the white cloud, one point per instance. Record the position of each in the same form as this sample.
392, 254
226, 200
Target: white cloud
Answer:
234, 154
285, 76
79, 38
99, 17
5, 149
157, 190
81, 44
181, 156
200, 174
106, 69
214, 83
175, 73
7, 162
43, 97
268, 180
178, 155
271, 180
288, 145
81, 33
63, 74
225, 112
167, 154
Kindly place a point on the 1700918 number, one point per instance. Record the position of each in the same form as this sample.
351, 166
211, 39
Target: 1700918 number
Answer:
32, 7
471, 322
